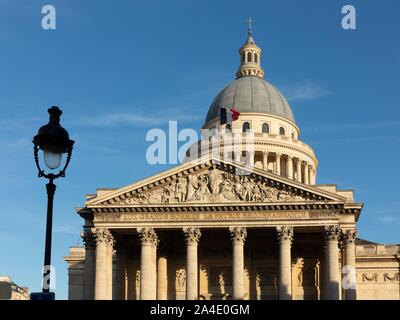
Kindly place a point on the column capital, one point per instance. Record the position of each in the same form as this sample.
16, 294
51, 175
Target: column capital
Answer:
332, 233
284, 233
148, 236
290, 157
238, 234
278, 154
312, 169
88, 239
192, 235
103, 236
349, 236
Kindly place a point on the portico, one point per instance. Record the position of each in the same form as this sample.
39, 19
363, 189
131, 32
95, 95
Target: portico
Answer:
284, 246
240, 273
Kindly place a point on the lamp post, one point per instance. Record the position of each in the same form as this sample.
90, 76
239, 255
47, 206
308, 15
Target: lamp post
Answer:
54, 141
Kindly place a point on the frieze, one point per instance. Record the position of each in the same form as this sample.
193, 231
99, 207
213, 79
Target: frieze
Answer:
394, 278
370, 278
211, 216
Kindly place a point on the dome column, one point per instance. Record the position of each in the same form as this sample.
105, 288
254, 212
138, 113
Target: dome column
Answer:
250, 158
312, 175
278, 164
298, 164
238, 155
306, 173
265, 160
289, 169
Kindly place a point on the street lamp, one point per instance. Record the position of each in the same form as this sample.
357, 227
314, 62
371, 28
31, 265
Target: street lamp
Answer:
54, 141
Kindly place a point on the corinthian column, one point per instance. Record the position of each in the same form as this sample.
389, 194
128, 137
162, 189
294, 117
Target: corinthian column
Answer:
332, 234
349, 269
154, 246
285, 238
90, 265
192, 236
148, 239
104, 245
162, 277
238, 236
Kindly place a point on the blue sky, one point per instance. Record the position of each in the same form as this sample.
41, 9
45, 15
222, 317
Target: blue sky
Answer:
118, 69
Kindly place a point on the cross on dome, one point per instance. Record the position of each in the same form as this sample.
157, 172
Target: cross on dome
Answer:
250, 21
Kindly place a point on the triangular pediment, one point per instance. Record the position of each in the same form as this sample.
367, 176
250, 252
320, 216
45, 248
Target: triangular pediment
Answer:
212, 181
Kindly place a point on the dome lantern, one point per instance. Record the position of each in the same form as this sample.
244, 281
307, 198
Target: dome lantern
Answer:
250, 56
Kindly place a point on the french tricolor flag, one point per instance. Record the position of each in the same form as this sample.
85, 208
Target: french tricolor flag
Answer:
228, 115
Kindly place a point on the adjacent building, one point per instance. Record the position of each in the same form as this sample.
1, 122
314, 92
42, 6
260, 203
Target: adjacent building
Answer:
11, 291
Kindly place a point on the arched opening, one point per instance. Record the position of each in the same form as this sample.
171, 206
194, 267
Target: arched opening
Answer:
256, 58
243, 57
228, 128
265, 128
249, 59
246, 127
282, 131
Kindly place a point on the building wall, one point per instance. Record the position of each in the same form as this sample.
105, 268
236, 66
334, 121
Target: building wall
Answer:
76, 266
378, 268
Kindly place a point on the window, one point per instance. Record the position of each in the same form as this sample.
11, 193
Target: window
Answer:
292, 135
246, 127
265, 128
282, 131
243, 57
256, 58
249, 57
228, 128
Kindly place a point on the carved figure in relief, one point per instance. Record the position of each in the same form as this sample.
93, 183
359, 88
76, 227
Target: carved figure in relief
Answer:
181, 188
192, 187
227, 190
168, 195
215, 181
248, 186
203, 191
256, 193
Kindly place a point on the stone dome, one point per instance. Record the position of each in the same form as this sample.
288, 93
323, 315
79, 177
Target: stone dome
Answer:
251, 94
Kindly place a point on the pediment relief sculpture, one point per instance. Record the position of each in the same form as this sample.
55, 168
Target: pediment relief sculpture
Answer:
211, 186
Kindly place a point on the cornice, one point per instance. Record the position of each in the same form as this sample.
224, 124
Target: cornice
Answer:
232, 207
